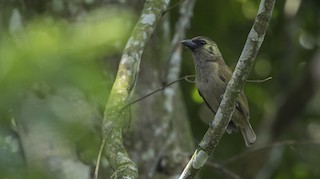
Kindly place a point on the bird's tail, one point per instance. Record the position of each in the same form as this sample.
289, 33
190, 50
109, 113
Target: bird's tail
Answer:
248, 135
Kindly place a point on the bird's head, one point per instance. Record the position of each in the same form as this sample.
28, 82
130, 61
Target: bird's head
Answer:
203, 46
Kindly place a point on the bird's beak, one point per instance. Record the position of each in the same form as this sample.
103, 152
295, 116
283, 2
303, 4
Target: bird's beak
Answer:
190, 44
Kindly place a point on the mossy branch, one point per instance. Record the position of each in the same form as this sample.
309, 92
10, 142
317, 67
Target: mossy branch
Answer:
234, 88
114, 120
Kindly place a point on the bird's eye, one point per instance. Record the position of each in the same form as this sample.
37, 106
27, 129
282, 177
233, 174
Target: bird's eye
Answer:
202, 42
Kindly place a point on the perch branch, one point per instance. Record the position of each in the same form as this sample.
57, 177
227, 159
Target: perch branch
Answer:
234, 88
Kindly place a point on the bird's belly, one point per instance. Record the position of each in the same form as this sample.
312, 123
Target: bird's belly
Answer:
211, 92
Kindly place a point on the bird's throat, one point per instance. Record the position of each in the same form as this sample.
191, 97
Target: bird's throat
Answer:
206, 70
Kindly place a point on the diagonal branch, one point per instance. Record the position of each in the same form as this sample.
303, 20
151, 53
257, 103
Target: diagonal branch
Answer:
114, 120
234, 88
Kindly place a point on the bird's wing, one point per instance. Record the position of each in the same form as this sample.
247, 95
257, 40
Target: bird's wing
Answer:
211, 108
225, 74
242, 104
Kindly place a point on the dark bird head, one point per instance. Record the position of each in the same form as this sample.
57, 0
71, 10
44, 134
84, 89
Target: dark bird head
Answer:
203, 48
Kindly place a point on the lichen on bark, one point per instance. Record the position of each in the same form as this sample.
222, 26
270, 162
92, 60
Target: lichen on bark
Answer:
114, 119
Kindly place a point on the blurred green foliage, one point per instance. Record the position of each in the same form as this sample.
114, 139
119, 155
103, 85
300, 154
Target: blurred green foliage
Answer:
54, 50
55, 75
58, 52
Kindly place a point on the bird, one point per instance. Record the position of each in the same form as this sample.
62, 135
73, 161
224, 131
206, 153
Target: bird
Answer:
212, 77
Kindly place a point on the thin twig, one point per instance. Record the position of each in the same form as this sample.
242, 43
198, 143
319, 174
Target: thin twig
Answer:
188, 80
260, 81
160, 89
96, 171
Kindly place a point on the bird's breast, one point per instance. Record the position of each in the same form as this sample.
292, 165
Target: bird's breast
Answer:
208, 79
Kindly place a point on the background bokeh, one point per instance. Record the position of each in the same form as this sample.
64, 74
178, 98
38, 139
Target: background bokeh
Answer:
58, 61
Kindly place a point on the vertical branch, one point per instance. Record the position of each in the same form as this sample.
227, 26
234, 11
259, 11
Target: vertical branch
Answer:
183, 23
171, 93
174, 64
234, 88
114, 120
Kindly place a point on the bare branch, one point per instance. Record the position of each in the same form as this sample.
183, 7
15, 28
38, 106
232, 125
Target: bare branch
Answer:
234, 88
